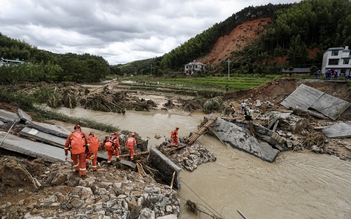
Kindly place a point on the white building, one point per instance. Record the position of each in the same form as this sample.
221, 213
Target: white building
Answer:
9, 61
338, 59
194, 66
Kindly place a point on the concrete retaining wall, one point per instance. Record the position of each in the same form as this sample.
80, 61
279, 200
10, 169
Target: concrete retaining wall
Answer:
165, 166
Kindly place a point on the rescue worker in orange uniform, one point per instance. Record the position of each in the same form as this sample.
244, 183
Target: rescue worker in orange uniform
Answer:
76, 143
94, 146
174, 136
130, 144
116, 144
109, 148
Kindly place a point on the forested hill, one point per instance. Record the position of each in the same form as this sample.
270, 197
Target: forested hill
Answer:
41, 65
296, 29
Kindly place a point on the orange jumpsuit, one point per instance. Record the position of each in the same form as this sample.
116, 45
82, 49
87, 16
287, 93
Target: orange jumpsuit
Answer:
174, 136
94, 146
131, 143
77, 152
110, 149
117, 146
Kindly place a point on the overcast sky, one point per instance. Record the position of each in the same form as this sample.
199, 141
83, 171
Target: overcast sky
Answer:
121, 31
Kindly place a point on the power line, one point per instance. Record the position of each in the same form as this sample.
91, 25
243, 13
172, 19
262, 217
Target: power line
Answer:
202, 199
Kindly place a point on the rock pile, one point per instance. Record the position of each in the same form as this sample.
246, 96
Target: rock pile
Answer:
58, 193
190, 158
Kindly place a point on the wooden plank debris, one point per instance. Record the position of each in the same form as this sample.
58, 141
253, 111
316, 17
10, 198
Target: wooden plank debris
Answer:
141, 169
197, 134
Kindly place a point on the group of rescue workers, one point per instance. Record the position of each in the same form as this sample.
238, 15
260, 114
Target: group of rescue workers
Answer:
83, 148
244, 109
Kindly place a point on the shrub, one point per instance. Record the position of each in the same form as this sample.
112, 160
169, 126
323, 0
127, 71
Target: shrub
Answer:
212, 104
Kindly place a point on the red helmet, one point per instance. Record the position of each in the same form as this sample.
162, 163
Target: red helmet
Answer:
115, 133
77, 126
132, 134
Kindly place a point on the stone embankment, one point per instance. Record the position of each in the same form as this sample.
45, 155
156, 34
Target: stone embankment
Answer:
55, 192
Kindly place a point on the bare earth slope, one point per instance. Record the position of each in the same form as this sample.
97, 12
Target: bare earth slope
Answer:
236, 40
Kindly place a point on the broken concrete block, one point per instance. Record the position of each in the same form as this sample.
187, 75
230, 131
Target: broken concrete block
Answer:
8, 117
239, 138
30, 148
50, 129
339, 130
24, 116
165, 166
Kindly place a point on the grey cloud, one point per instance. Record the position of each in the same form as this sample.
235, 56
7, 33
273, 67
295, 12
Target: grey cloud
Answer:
119, 30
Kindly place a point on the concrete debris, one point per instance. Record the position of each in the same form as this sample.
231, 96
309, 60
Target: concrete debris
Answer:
339, 130
189, 158
239, 138
107, 193
30, 148
50, 129
43, 137
166, 166
305, 97
24, 116
8, 117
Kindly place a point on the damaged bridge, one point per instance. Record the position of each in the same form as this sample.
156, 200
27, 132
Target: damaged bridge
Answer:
240, 137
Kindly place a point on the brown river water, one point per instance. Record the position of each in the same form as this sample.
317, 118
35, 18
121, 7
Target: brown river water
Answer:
298, 185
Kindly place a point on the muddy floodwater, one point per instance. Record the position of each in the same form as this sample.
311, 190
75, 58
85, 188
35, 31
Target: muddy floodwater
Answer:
297, 185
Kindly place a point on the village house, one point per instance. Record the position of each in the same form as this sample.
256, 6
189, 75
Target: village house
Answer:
193, 67
337, 58
300, 71
9, 61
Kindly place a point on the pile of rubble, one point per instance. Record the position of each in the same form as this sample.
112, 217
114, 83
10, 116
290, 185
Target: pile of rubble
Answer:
185, 156
306, 119
189, 158
54, 191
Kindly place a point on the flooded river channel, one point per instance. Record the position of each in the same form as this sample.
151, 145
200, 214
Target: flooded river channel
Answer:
298, 185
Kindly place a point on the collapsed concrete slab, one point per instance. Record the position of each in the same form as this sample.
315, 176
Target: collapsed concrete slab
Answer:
8, 117
50, 129
50, 139
30, 148
240, 139
165, 166
339, 130
43, 137
265, 134
24, 116
305, 97
128, 164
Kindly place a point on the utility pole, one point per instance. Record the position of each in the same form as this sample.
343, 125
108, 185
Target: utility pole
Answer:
151, 70
228, 69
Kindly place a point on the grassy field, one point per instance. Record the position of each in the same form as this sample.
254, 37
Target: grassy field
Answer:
236, 82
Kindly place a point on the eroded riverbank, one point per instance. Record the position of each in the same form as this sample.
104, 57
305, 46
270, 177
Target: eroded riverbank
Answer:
298, 185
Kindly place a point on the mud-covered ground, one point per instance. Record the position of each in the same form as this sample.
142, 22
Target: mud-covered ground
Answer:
112, 94
117, 97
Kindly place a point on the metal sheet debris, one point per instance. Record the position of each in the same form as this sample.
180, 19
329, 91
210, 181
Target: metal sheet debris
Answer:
339, 130
305, 97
